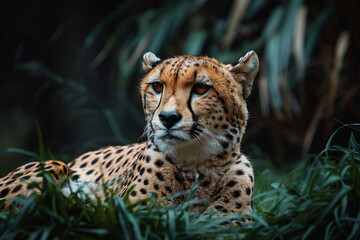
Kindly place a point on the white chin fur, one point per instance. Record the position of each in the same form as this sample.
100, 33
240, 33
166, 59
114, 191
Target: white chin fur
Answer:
189, 152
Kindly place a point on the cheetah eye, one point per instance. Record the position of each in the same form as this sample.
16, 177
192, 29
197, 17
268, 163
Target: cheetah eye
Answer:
157, 87
200, 88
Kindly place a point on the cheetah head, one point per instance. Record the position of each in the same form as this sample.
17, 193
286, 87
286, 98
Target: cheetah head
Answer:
195, 106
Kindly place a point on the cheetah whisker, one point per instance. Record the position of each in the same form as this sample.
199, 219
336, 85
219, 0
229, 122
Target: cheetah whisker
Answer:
147, 132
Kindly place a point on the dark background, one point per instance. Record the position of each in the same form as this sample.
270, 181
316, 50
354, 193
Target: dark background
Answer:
73, 67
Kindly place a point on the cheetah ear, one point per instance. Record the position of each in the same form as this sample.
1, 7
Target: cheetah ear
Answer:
150, 60
245, 71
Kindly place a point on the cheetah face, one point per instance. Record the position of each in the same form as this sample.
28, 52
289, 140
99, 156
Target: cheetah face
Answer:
196, 105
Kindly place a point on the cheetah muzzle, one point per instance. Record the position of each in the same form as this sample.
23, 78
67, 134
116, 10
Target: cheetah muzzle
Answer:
196, 114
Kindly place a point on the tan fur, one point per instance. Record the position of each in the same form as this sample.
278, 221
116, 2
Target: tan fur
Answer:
205, 140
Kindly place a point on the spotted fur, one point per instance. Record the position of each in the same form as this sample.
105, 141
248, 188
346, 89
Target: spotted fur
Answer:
196, 116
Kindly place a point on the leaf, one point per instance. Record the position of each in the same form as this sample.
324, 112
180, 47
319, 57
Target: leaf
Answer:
172, 228
353, 144
41, 142
22, 151
313, 33
194, 43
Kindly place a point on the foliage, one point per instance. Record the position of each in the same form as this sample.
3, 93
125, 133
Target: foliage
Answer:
320, 198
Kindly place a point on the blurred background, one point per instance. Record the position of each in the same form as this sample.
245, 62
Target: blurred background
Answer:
72, 68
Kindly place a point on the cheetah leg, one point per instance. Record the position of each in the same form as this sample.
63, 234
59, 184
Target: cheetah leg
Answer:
235, 191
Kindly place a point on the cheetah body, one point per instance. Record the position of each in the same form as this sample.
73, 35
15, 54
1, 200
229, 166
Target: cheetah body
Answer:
196, 116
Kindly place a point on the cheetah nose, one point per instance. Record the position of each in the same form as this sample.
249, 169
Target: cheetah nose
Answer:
169, 118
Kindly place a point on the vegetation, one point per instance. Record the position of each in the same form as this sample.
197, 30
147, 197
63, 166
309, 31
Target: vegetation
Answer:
320, 198
73, 68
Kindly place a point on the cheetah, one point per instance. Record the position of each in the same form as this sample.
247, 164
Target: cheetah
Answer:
196, 114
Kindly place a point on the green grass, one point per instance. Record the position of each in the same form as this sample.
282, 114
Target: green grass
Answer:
317, 200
